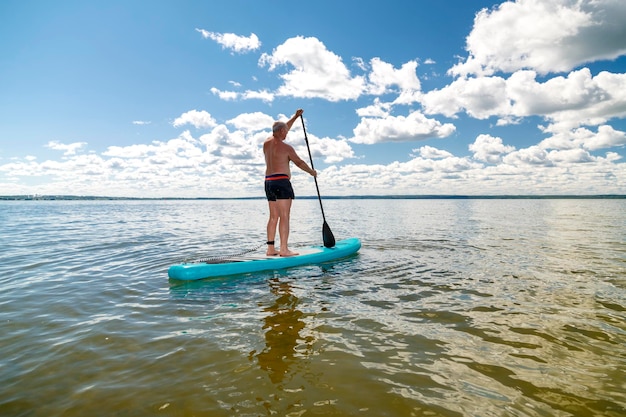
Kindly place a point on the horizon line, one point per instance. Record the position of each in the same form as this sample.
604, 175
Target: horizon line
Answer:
62, 197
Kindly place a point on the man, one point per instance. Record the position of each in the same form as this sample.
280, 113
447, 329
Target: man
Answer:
278, 188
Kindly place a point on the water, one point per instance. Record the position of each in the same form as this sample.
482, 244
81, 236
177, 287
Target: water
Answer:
452, 308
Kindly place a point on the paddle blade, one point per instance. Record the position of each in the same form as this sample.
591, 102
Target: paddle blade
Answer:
327, 234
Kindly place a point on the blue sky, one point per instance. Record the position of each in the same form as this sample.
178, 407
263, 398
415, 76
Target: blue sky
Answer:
174, 98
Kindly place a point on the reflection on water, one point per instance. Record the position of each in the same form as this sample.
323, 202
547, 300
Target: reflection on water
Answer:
282, 328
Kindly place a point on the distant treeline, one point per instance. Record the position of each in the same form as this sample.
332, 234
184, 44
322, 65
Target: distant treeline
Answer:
354, 197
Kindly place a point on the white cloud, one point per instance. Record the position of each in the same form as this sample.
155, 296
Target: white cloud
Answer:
600, 99
576, 99
235, 43
481, 98
570, 156
314, 71
605, 137
190, 167
141, 122
383, 75
359, 63
252, 122
428, 152
68, 149
184, 166
529, 171
489, 149
533, 155
225, 95
130, 151
413, 127
199, 119
262, 95
231, 146
330, 151
565, 102
545, 36
555, 95
378, 109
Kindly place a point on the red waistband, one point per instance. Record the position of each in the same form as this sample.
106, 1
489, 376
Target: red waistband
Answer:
276, 177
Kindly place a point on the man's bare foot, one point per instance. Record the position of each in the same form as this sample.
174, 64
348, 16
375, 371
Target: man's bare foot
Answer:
271, 249
288, 253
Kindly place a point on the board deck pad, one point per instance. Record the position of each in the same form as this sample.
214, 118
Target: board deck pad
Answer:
244, 258
301, 251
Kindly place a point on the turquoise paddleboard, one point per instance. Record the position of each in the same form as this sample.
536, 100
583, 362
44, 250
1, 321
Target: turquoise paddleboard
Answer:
247, 264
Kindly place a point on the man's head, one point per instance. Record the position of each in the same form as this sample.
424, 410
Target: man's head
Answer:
277, 129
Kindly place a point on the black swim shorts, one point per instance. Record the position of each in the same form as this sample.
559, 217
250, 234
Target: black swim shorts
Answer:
278, 187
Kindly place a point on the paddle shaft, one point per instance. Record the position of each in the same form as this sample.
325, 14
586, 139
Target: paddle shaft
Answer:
319, 197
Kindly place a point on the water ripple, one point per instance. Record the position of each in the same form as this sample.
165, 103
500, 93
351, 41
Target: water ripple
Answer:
451, 308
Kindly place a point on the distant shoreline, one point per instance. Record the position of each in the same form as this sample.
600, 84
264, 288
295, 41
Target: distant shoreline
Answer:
353, 197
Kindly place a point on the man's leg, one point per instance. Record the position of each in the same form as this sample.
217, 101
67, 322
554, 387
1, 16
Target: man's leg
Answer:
284, 212
271, 227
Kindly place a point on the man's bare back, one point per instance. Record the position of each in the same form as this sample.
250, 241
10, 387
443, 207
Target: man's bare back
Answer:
277, 156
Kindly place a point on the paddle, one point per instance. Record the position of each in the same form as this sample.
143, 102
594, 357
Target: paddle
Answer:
327, 234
